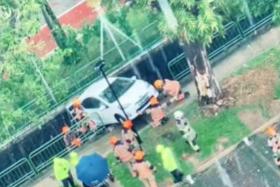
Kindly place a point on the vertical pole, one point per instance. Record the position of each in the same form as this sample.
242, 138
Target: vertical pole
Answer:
168, 14
112, 90
113, 38
101, 40
49, 90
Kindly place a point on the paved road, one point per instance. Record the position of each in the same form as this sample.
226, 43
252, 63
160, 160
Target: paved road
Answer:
234, 61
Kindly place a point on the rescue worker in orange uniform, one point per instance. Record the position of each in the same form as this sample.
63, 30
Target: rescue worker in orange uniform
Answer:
170, 88
78, 111
273, 142
157, 114
273, 137
129, 136
122, 152
70, 138
143, 170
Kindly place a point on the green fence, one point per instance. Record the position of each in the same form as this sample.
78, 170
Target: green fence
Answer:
41, 158
234, 34
17, 173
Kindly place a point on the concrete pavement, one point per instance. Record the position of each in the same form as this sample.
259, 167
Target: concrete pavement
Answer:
224, 68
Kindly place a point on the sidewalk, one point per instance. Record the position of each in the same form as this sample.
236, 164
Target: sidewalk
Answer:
223, 69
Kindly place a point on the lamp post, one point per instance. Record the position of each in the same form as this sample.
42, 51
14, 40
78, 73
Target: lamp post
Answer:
99, 66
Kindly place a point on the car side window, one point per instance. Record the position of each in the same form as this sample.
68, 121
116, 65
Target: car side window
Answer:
91, 102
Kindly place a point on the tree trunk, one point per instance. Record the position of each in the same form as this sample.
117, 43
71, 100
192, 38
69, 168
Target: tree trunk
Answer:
54, 25
208, 88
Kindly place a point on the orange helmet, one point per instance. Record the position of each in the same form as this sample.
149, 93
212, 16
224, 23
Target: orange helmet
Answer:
77, 142
139, 155
127, 124
158, 84
271, 131
65, 129
113, 140
76, 103
154, 101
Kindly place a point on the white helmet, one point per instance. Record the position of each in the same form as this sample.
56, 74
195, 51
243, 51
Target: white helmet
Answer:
178, 115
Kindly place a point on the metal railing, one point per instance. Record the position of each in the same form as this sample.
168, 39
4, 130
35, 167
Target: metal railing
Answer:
17, 173
42, 157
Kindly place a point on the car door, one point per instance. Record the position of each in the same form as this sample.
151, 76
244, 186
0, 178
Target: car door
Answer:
94, 105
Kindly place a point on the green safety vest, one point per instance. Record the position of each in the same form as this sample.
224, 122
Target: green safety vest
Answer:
61, 168
168, 159
74, 159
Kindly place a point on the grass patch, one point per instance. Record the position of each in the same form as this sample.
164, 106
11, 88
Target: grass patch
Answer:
226, 125
122, 173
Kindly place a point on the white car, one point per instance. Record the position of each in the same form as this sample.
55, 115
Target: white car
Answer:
133, 94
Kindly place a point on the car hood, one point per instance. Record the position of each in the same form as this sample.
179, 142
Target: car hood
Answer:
135, 93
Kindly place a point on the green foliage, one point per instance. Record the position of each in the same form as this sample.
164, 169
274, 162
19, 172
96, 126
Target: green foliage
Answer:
197, 21
276, 13
260, 8
118, 18
122, 173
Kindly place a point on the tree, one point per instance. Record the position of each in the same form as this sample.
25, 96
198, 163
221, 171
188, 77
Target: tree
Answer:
19, 82
69, 45
196, 24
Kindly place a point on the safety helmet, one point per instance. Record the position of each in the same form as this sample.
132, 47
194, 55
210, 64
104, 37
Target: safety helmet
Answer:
271, 131
113, 140
139, 155
65, 129
76, 103
127, 124
158, 84
154, 101
178, 115
77, 142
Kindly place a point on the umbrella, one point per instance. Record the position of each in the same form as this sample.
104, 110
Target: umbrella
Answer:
92, 169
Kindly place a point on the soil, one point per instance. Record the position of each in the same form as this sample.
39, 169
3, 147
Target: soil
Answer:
274, 107
255, 86
221, 143
252, 119
193, 159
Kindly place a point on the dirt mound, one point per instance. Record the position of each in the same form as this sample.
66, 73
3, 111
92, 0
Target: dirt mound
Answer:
253, 87
274, 107
252, 119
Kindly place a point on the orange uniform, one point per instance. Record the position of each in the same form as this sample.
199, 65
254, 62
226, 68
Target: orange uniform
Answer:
156, 111
171, 88
122, 152
129, 137
157, 115
145, 173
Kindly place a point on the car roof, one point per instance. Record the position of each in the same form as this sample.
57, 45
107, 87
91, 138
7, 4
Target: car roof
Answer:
96, 88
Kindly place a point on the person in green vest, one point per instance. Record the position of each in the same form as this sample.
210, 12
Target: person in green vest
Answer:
169, 162
62, 172
74, 158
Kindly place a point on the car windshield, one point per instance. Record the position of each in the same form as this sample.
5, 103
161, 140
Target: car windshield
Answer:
120, 86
